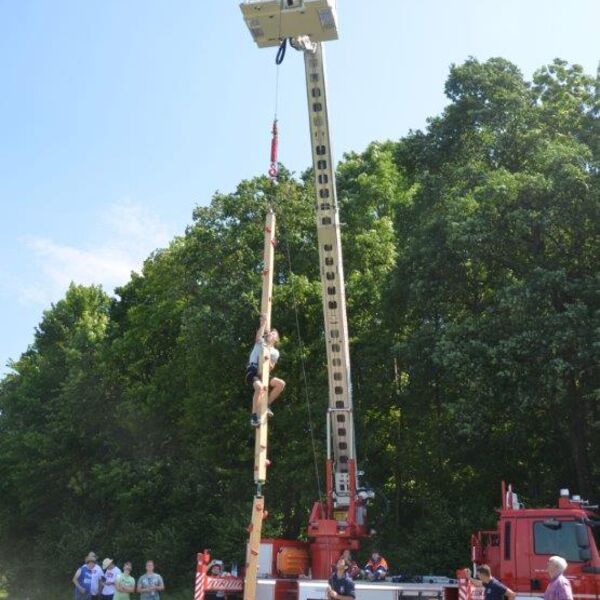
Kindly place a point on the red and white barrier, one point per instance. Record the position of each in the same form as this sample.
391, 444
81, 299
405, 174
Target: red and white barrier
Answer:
227, 583
206, 583
466, 589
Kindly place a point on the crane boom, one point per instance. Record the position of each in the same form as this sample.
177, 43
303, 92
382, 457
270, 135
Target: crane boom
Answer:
341, 446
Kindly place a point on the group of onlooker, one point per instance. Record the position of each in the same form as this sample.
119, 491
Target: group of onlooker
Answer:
109, 582
341, 584
346, 570
376, 568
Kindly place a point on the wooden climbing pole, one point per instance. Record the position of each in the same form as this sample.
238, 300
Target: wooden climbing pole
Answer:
260, 446
255, 529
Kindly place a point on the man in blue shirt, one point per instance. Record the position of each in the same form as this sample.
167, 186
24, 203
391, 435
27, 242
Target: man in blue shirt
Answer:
87, 579
341, 586
494, 589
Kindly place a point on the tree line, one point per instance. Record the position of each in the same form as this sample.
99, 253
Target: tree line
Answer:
471, 251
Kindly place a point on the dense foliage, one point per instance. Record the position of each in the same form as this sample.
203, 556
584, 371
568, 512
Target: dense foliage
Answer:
471, 253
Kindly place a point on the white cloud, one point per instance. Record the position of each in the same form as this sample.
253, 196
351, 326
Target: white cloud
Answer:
128, 233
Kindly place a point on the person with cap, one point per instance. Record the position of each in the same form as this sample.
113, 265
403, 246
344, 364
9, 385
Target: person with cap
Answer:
124, 584
150, 584
87, 579
111, 572
263, 341
215, 569
341, 586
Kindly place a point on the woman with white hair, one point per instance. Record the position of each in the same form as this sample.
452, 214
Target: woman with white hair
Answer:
559, 587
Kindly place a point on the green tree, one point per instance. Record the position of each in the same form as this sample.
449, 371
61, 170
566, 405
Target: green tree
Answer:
470, 254
51, 417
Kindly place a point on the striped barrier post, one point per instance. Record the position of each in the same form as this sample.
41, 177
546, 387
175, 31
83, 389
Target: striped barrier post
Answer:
201, 569
466, 589
464, 584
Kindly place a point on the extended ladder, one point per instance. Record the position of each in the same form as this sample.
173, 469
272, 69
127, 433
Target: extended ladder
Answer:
341, 424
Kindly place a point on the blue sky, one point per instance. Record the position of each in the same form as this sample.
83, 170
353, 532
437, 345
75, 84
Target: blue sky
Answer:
117, 117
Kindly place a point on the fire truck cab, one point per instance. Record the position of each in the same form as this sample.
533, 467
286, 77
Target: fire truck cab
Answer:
517, 551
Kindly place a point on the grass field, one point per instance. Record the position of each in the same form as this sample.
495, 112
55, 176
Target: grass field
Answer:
65, 592
175, 595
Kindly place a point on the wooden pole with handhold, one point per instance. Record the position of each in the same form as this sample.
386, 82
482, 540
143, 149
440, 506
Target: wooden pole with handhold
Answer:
255, 531
260, 447
260, 444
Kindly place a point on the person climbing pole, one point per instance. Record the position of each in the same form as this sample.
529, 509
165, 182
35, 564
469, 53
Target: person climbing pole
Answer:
264, 340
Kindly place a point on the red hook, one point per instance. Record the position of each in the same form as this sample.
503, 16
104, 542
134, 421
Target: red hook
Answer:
273, 170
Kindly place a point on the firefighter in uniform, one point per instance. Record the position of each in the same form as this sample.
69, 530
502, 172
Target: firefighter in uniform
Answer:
376, 569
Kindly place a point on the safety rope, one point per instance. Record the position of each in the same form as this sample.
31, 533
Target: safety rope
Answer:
311, 428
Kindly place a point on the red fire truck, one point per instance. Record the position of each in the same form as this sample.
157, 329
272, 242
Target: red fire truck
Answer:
517, 552
518, 549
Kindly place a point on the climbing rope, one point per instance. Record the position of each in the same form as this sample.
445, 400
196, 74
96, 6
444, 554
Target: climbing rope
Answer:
284, 238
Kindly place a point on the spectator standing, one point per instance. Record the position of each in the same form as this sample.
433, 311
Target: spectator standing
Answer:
150, 584
87, 579
125, 583
111, 572
559, 587
494, 589
376, 569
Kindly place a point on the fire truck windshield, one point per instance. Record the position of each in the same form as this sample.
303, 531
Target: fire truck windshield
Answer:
563, 538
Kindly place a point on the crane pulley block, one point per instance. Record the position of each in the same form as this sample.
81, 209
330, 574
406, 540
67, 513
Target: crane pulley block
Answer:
271, 21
